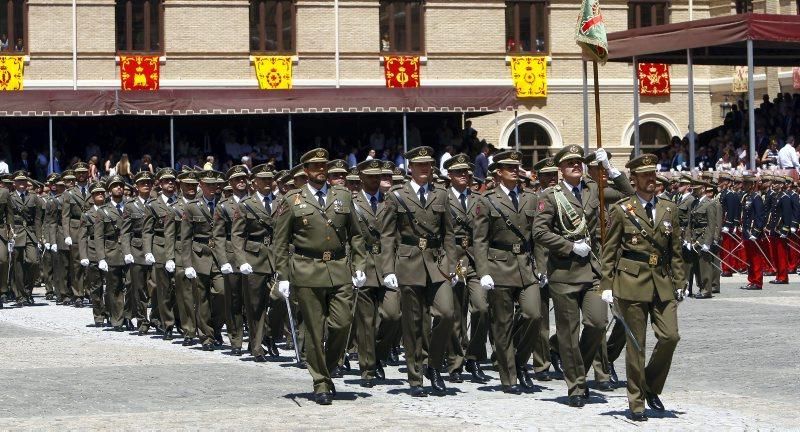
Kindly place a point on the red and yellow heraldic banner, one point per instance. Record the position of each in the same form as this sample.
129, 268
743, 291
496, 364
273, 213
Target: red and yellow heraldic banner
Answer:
401, 71
12, 71
273, 73
654, 79
530, 76
139, 72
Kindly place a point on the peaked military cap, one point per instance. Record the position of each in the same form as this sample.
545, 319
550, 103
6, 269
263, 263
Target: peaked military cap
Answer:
142, 176
80, 167
642, 163
387, 168
508, 157
227, 188
114, 180
591, 158
19, 175
210, 177
397, 174
297, 171
419, 155
685, 178
237, 171
68, 175
262, 171
724, 175
187, 176
663, 180
352, 175
457, 162
546, 165
166, 174
337, 166
96, 187
371, 167
52, 178
316, 155
567, 153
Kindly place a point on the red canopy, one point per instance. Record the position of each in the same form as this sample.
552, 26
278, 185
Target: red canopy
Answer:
245, 101
713, 41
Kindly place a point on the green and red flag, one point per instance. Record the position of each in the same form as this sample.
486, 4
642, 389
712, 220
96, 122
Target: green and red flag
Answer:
590, 34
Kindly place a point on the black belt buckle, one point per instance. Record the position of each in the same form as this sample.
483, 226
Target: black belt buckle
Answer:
423, 243
376, 249
327, 256
653, 260
516, 248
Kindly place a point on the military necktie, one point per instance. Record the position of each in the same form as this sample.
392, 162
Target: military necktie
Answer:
577, 193
211, 207
373, 202
171, 200
321, 199
119, 207
23, 195
513, 196
267, 202
463, 199
649, 209
422, 196
83, 191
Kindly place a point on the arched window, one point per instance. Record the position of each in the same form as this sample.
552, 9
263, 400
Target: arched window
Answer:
272, 26
140, 26
534, 143
652, 136
14, 26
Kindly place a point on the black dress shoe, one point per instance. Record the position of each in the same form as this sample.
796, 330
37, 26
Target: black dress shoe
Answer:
702, 296
260, 358
346, 363
524, 378
542, 376
555, 360
727, 274
379, 372
78, 303
143, 331
128, 325
475, 369
639, 417
585, 394
337, 372
368, 383
576, 401
654, 402
752, 287
323, 399
119, 329
455, 377
605, 386
188, 341
777, 282
394, 355
418, 391
236, 352
168, 335
511, 389
612, 374
436, 379
67, 302
218, 340
208, 347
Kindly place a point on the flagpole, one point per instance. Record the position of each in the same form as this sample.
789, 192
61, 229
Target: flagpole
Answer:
601, 182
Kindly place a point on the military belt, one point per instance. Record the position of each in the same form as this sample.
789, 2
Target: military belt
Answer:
203, 240
515, 248
322, 255
158, 233
421, 242
266, 240
111, 238
464, 242
653, 260
136, 235
374, 249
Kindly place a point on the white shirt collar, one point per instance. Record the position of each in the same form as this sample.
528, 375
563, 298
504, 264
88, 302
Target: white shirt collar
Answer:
314, 190
507, 190
369, 196
569, 186
457, 193
644, 201
416, 187
166, 198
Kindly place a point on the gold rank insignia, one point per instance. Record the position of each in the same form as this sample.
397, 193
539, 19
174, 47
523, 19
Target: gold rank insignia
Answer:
297, 199
423, 152
635, 240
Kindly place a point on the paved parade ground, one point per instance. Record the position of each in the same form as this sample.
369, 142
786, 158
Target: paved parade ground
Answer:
736, 368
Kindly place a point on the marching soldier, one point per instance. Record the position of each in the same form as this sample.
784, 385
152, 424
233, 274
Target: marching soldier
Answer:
201, 266
389, 330
252, 237
642, 267
417, 229
183, 286
50, 219
319, 221
729, 202
135, 256
76, 201
753, 222
768, 195
685, 198
27, 229
6, 239
87, 247
107, 238
227, 211
159, 233
503, 261
58, 250
337, 172
782, 219
468, 344
699, 239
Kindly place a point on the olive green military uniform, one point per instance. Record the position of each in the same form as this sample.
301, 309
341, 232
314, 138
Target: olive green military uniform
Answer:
503, 249
183, 286
159, 234
59, 260
716, 268
643, 267
419, 235
573, 280
6, 223
27, 228
701, 231
225, 213
685, 203
137, 297
50, 219
87, 248
319, 270
76, 201
108, 238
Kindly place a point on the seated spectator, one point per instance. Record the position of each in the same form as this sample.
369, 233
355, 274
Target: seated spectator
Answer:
209, 165
4, 42
725, 163
770, 155
19, 47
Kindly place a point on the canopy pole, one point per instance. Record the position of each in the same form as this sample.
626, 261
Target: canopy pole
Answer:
690, 71
516, 131
50, 125
291, 147
751, 121
172, 141
585, 107
637, 144
601, 183
405, 140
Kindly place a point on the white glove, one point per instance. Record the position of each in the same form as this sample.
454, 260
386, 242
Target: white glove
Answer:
687, 245
47, 246
390, 281
783, 235
102, 265
190, 273
226, 269
543, 281
128, 259
85, 262
454, 280
581, 248
246, 269
793, 230
149, 259
705, 248
170, 266
68, 241
487, 282
753, 238
725, 230
602, 157
11, 246
359, 279
283, 288
53, 247
607, 296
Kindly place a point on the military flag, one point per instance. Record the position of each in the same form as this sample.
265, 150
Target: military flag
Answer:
740, 79
590, 34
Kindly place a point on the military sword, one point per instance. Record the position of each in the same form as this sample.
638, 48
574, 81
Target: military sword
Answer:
292, 328
766, 258
628, 331
732, 255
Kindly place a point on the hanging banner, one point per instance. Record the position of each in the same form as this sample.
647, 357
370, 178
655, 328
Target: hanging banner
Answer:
590, 34
401, 71
139, 72
273, 73
12, 71
796, 77
654, 79
739, 79
530, 76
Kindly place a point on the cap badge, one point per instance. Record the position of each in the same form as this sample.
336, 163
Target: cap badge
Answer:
423, 152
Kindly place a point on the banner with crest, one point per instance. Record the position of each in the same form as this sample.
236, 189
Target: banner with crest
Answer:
654, 79
273, 73
530, 76
12, 71
139, 72
401, 71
